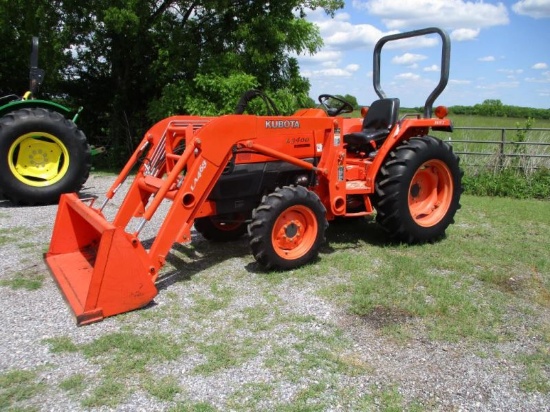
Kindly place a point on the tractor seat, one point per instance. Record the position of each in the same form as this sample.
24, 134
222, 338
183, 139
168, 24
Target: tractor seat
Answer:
380, 119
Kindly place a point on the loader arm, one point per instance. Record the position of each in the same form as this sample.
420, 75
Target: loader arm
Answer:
101, 267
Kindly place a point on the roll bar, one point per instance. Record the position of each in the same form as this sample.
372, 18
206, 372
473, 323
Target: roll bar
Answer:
445, 63
36, 75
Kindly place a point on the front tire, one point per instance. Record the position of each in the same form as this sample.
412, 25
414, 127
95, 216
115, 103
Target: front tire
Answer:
42, 155
418, 190
287, 228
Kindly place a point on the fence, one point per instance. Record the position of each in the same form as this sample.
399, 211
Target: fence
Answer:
527, 149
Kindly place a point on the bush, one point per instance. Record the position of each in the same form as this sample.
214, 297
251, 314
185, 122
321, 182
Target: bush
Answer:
509, 183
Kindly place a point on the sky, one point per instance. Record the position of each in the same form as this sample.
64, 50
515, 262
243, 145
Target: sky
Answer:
499, 50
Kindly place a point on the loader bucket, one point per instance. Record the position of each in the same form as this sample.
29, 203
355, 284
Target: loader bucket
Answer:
100, 269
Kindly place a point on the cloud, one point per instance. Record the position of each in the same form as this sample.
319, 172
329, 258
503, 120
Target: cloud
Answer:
408, 58
408, 76
540, 66
538, 9
499, 85
339, 33
330, 73
432, 68
544, 79
331, 57
487, 59
510, 72
460, 82
464, 34
352, 67
454, 14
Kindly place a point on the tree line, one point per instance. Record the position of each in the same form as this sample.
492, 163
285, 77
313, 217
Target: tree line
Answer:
495, 108
130, 63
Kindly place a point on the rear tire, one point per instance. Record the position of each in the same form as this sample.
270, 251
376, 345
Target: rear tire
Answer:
287, 228
42, 155
418, 190
222, 228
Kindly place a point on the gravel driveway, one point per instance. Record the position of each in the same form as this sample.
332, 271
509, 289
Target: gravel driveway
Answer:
279, 344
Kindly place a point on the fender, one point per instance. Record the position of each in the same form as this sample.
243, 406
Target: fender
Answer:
45, 104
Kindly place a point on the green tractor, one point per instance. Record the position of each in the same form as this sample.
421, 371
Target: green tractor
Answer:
42, 152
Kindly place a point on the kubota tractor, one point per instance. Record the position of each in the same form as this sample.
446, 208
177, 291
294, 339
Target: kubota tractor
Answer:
42, 152
281, 179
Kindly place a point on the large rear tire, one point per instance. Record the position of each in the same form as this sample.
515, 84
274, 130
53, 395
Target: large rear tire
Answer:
418, 190
287, 228
222, 228
42, 155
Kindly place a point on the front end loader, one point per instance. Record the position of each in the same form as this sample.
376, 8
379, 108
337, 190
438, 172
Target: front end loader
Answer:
280, 179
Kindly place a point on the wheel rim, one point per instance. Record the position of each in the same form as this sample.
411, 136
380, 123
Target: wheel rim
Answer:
38, 159
430, 193
294, 232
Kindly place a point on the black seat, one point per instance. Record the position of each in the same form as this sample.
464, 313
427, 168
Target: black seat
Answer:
378, 122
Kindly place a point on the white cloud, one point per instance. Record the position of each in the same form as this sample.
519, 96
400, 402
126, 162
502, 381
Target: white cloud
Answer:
537, 9
341, 34
499, 85
510, 72
432, 68
454, 14
464, 34
544, 79
352, 67
460, 82
487, 59
407, 76
408, 58
322, 57
540, 66
330, 73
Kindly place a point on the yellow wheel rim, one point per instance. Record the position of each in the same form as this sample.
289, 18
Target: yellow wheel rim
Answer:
38, 159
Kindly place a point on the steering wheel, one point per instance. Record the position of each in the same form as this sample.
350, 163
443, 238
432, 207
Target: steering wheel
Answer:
328, 102
250, 95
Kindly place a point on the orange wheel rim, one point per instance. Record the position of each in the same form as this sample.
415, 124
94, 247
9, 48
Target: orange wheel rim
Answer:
430, 193
294, 232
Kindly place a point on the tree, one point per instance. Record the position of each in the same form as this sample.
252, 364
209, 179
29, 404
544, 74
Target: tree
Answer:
352, 100
137, 61
130, 62
19, 22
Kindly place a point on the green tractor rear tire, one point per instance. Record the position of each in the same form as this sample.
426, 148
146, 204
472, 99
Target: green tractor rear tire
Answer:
42, 155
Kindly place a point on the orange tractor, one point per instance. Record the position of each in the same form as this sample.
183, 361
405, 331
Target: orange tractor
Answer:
280, 179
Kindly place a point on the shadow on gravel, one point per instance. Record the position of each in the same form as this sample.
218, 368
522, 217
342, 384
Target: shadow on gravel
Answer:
201, 254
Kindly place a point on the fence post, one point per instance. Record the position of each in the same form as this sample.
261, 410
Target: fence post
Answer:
501, 154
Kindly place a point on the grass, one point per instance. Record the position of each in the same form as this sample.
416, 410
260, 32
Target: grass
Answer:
74, 385
462, 287
487, 283
28, 280
17, 386
15, 235
31, 278
124, 358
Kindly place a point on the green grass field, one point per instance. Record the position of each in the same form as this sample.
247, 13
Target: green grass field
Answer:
485, 287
